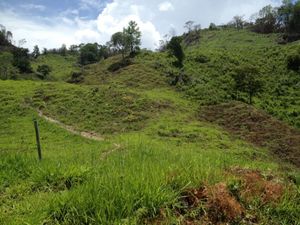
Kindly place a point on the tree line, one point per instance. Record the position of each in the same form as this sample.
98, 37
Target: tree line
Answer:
284, 19
15, 59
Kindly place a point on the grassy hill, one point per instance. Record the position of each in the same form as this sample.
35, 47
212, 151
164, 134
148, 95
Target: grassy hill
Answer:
61, 66
165, 157
220, 52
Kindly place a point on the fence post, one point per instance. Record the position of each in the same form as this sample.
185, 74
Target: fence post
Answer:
37, 134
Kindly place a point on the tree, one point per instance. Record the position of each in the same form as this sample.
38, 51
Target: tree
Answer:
175, 48
189, 25
238, 22
133, 36
267, 20
7, 71
5, 36
21, 42
120, 43
45, 51
73, 49
247, 80
21, 60
285, 14
36, 51
89, 54
43, 71
212, 26
103, 51
63, 50
128, 41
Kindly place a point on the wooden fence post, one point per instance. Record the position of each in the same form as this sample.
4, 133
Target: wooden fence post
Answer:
37, 134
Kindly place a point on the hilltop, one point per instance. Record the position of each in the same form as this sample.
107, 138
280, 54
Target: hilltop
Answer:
186, 152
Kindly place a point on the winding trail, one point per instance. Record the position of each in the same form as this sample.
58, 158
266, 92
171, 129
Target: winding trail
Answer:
85, 134
88, 135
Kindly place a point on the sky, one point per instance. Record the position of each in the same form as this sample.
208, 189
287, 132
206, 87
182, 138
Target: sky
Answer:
51, 23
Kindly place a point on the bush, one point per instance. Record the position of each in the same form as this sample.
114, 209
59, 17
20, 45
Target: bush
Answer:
76, 77
293, 62
201, 59
43, 71
119, 65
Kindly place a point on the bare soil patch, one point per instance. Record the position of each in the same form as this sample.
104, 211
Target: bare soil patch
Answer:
257, 127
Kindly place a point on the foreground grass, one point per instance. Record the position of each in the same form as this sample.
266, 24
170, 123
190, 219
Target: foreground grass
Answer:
131, 176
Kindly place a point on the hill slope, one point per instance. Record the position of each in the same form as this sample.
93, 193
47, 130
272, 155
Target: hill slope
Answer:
158, 163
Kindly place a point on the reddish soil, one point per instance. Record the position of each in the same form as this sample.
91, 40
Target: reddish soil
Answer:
256, 127
220, 205
256, 186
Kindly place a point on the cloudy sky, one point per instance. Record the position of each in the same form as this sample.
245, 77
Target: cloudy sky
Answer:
50, 23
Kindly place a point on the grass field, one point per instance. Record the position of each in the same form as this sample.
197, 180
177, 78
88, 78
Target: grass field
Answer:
128, 178
160, 161
61, 66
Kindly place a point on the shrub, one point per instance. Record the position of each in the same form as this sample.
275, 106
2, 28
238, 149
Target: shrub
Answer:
43, 71
293, 62
201, 59
76, 77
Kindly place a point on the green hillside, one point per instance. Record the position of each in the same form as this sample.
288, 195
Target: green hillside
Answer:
61, 66
171, 154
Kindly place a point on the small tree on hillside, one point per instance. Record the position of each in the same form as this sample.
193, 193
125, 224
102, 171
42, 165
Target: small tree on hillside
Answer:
7, 71
212, 26
189, 25
21, 60
128, 41
175, 48
63, 50
247, 80
238, 22
88, 54
132, 36
119, 43
36, 52
45, 51
267, 20
5, 36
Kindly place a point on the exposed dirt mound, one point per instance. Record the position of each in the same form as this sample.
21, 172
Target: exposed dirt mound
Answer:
256, 186
222, 206
256, 127
226, 203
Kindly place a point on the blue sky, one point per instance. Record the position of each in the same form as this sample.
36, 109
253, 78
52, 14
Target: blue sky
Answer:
50, 23
87, 9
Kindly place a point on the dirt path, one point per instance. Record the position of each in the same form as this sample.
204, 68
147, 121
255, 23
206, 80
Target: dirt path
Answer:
88, 135
104, 155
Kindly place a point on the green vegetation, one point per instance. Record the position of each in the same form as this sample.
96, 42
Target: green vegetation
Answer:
130, 137
128, 178
61, 66
212, 66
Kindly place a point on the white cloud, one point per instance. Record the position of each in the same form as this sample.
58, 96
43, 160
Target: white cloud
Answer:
90, 4
114, 17
33, 7
69, 28
165, 6
50, 36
